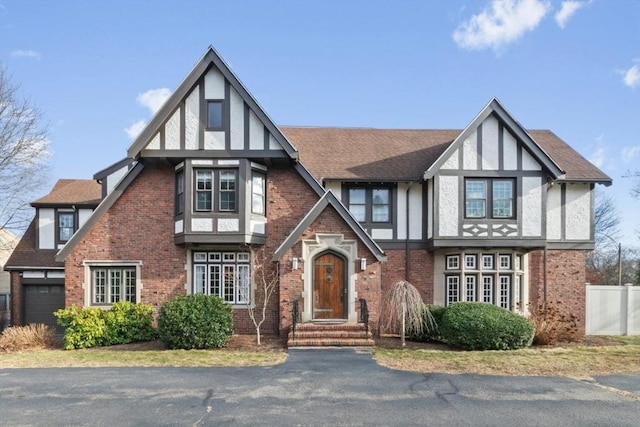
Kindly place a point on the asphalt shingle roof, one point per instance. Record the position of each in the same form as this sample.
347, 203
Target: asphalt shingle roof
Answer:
26, 254
81, 192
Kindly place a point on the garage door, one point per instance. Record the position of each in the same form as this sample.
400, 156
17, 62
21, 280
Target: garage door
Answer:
40, 301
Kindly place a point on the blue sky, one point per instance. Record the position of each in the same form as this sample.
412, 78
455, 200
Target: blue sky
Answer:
98, 69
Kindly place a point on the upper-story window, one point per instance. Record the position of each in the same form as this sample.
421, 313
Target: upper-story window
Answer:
489, 198
370, 204
66, 226
258, 190
180, 193
214, 115
222, 200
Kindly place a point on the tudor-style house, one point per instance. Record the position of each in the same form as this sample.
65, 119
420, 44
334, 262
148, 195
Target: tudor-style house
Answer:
493, 213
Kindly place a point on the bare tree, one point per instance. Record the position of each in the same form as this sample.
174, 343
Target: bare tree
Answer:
606, 219
635, 190
265, 281
23, 153
404, 311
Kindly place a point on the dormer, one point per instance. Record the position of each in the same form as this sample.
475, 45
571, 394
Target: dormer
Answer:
61, 212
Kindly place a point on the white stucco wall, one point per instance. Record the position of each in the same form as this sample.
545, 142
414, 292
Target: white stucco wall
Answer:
470, 152
415, 211
430, 208
191, 119
453, 161
531, 206
528, 162
172, 132
554, 213
46, 228
83, 215
509, 151
448, 205
214, 140
578, 212
490, 146
236, 108
114, 179
154, 144
335, 187
214, 84
256, 132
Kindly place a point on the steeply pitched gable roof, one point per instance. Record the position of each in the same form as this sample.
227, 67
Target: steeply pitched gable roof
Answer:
68, 192
329, 199
368, 154
211, 57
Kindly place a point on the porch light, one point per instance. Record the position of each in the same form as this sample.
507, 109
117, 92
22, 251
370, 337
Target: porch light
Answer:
363, 264
294, 263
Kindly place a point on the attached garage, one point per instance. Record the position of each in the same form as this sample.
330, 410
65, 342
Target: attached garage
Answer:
40, 301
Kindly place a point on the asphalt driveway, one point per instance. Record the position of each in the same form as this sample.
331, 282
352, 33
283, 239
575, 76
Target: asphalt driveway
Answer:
329, 387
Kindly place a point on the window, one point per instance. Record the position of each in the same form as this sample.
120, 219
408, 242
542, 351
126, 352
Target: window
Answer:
453, 289
505, 262
204, 190
470, 282
225, 274
214, 115
66, 226
227, 191
258, 205
487, 289
470, 261
113, 284
180, 193
453, 262
370, 204
224, 198
505, 287
487, 262
489, 198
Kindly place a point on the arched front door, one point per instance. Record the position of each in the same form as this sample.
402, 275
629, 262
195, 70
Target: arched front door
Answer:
329, 287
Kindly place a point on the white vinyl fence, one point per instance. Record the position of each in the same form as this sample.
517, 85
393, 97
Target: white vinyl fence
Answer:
613, 310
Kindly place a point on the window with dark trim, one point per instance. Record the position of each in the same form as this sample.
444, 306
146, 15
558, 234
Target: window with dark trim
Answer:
214, 115
489, 198
258, 190
225, 196
66, 226
370, 204
180, 193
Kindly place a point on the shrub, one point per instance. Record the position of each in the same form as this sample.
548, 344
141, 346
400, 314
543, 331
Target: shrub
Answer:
431, 324
18, 338
481, 326
125, 322
195, 322
552, 325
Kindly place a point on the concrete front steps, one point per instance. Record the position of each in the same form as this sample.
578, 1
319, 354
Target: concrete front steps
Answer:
318, 334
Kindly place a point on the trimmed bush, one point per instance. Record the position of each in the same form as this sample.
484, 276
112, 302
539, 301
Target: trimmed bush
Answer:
481, 326
430, 332
195, 322
125, 322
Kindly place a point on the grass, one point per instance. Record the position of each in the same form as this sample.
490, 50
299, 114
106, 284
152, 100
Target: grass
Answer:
103, 357
577, 361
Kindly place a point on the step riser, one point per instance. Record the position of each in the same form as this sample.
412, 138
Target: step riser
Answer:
330, 335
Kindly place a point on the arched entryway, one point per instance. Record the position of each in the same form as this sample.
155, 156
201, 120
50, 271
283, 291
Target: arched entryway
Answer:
330, 290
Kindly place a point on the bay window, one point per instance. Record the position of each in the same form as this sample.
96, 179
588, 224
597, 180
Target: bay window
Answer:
224, 274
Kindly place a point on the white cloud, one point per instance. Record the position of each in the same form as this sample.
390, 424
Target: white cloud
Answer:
567, 10
153, 98
503, 23
599, 156
30, 54
135, 129
631, 77
630, 153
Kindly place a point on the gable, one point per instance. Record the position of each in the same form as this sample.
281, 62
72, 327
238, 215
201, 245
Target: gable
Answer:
181, 127
494, 141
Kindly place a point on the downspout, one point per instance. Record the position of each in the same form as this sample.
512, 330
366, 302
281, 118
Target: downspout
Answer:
407, 256
544, 275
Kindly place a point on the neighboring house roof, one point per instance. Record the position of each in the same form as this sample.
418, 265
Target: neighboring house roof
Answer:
329, 199
365, 154
70, 192
26, 256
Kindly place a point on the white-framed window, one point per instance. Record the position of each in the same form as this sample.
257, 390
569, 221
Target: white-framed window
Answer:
224, 274
470, 287
111, 282
487, 262
470, 261
489, 198
487, 289
505, 262
258, 193
66, 226
453, 262
370, 204
453, 289
505, 291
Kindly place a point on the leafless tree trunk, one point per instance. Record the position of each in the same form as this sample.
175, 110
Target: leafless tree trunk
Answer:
404, 310
23, 153
265, 282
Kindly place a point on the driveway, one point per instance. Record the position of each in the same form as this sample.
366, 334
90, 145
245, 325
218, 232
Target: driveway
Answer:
329, 387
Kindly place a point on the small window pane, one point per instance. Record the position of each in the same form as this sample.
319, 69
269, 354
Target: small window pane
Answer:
487, 262
357, 196
505, 262
470, 261
214, 114
453, 262
470, 288
200, 256
227, 191
453, 289
380, 205
258, 193
65, 226
199, 278
357, 203
487, 289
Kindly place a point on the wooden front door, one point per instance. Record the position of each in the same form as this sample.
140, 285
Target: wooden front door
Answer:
329, 290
